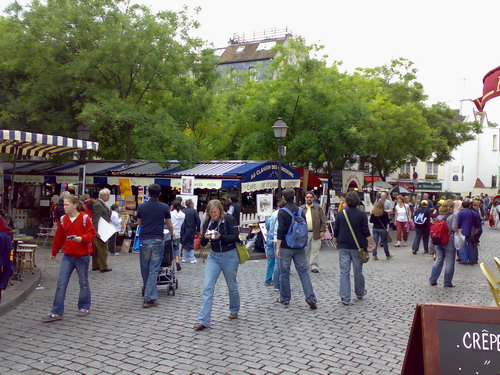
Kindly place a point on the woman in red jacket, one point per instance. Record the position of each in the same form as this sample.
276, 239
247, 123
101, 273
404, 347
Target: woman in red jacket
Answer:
75, 234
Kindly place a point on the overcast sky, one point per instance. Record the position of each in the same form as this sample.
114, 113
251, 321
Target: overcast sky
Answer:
453, 43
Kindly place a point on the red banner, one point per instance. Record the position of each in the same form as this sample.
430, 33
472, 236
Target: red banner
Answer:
491, 88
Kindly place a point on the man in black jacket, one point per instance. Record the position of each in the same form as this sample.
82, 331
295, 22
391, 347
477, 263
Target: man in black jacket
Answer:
348, 249
234, 209
287, 254
422, 221
189, 228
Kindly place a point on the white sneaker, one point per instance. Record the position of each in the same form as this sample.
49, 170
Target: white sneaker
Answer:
193, 261
183, 260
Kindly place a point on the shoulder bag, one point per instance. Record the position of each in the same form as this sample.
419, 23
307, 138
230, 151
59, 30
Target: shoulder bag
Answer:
364, 255
241, 248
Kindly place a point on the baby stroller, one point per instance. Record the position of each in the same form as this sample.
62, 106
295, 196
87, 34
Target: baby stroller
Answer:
166, 274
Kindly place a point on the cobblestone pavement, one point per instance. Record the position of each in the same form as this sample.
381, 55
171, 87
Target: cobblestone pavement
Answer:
120, 337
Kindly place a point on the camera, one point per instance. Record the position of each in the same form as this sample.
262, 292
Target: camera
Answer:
212, 233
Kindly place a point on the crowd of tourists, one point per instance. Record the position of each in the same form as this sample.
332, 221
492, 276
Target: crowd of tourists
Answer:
448, 229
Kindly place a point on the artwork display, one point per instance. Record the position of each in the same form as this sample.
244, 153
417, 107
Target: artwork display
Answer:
187, 185
264, 204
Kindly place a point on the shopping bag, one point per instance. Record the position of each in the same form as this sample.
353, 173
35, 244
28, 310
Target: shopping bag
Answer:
242, 252
459, 240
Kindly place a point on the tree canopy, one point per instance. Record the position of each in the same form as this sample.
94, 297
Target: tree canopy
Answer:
130, 75
149, 90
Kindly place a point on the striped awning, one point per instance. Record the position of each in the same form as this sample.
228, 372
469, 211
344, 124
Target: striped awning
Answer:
40, 145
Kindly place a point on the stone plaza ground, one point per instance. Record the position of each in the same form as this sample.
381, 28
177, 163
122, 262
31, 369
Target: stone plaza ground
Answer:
121, 337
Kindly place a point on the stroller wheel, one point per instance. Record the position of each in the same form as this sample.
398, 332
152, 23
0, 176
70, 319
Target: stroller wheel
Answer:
173, 290
176, 284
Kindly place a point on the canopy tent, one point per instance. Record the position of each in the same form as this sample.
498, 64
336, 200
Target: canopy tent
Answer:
20, 143
378, 186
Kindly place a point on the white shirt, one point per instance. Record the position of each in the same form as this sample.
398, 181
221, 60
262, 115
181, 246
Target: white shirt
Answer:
177, 220
116, 221
402, 213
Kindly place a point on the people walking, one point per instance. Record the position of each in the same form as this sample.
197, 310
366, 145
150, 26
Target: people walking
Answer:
469, 224
234, 209
388, 206
116, 222
101, 210
270, 250
422, 221
189, 228
178, 217
272, 240
402, 220
220, 229
348, 250
495, 212
445, 253
74, 235
380, 220
316, 226
289, 217
152, 217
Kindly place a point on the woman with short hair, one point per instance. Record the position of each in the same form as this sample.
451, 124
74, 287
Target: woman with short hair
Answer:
402, 217
220, 229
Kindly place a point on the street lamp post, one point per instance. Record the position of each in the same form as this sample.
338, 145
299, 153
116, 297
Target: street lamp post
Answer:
372, 157
83, 132
280, 129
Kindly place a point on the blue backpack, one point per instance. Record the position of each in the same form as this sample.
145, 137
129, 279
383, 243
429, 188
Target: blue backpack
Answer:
296, 237
420, 218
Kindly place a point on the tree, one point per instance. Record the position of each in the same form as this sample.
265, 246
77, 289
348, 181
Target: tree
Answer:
120, 69
401, 127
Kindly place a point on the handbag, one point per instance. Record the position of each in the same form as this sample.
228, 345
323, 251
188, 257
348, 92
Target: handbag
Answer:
242, 252
410, 224
364, 255
388, 236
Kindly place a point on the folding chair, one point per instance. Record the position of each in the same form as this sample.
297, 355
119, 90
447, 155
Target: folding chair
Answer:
497, 261
47, 232
493, 282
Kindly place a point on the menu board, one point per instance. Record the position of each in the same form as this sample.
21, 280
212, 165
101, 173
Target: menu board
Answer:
453, 339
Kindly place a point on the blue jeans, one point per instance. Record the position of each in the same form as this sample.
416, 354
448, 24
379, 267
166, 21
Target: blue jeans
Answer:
188, 252
175, 243
380, 236
444, 254
277, 273
299, 259
467, 253
150, 257
421, 233
227, 263
270, 270
68, 264
346, 256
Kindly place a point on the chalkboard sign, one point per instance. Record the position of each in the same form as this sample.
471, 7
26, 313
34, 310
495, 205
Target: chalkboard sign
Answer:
453, 339
337, 181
